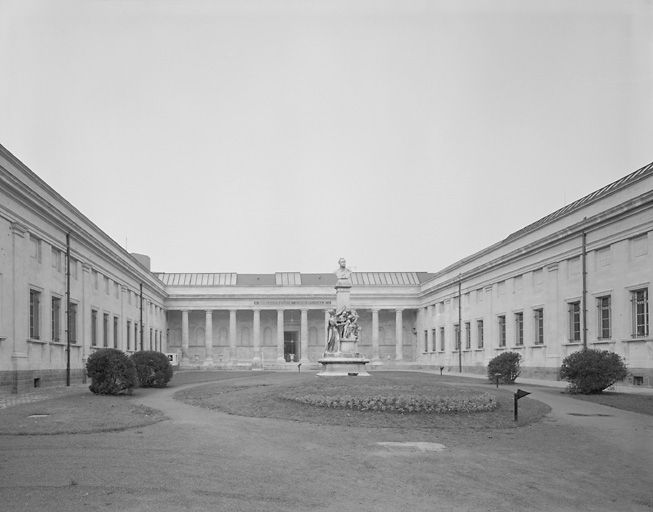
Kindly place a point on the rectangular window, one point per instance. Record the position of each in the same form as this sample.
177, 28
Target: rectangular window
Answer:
639, 245
426, 340
56, 319
573, 267
538, 279
603, 257
538, 316
96, 279
150, 338
434, 340
468, 335
502, 330
94, 328
604, 312
72, 323
517, 284
107, 284
442, 339
115, 332
640, 312
479, 329
73, 269
129, 335
574, 321
34, 314
519, 329
105, 330
135, 335
36, 248
56, 259
456, 332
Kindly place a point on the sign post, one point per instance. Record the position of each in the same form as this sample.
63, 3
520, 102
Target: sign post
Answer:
519, 394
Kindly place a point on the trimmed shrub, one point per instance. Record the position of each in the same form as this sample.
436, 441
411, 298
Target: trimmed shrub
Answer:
591, 371
152, 368
507, 365
111, 372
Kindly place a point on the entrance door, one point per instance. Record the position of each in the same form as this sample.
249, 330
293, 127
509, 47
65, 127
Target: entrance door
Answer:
291, 346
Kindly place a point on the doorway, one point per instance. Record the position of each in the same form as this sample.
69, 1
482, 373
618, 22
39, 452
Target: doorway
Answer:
291, 346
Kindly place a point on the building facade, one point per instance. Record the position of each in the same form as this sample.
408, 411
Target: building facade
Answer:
578, 277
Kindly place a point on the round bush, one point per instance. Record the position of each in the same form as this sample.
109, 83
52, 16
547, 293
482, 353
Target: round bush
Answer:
111, 372
152, 368
591, 371
505, 364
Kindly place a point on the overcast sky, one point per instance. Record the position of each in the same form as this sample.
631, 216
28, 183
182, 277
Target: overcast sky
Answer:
262, 136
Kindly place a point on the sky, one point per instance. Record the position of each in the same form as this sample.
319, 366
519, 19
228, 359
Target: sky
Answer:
258, 136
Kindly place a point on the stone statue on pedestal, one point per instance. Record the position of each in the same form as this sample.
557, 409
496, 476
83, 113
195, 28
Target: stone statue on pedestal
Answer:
341, 357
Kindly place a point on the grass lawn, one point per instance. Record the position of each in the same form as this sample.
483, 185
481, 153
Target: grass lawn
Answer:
263, 396
77, 413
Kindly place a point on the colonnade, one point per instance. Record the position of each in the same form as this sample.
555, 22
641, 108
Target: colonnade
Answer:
256, 360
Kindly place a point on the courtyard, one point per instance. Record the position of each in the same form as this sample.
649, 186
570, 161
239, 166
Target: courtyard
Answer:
224, 441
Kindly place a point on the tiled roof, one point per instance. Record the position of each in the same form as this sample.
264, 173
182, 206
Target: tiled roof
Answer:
292, 279
583, 201
197, 279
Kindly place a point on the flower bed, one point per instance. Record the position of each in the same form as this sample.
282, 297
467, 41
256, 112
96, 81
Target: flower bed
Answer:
401, 404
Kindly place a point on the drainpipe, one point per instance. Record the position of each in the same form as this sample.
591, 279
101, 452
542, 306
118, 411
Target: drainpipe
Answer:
584, 299
460, 324
141, 307
67, 309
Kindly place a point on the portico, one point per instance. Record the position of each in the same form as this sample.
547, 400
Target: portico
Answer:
263, 337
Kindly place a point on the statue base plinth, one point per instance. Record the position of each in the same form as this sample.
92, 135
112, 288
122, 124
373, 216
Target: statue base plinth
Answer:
343, 365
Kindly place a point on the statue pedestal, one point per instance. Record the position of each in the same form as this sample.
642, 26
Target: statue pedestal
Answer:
345, 363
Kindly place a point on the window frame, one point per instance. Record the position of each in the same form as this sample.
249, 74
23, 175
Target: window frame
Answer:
538, 322
480, 342
601, 318
55, 319
501, 326
574, 321
519, 329
35, 313
638, 313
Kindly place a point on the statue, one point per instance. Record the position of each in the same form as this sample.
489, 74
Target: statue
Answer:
333, 334
341, 357
342, 326
343, 273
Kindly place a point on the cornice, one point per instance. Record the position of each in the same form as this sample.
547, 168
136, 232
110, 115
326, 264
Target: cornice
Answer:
96, 240
621, 211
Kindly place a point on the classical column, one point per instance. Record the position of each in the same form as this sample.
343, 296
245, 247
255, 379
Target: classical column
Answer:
184, 337
21, 301
399, 334
304, 336
280, 331
375, 334
232, 337
85, 312
208, 339
428, 323
256, 332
